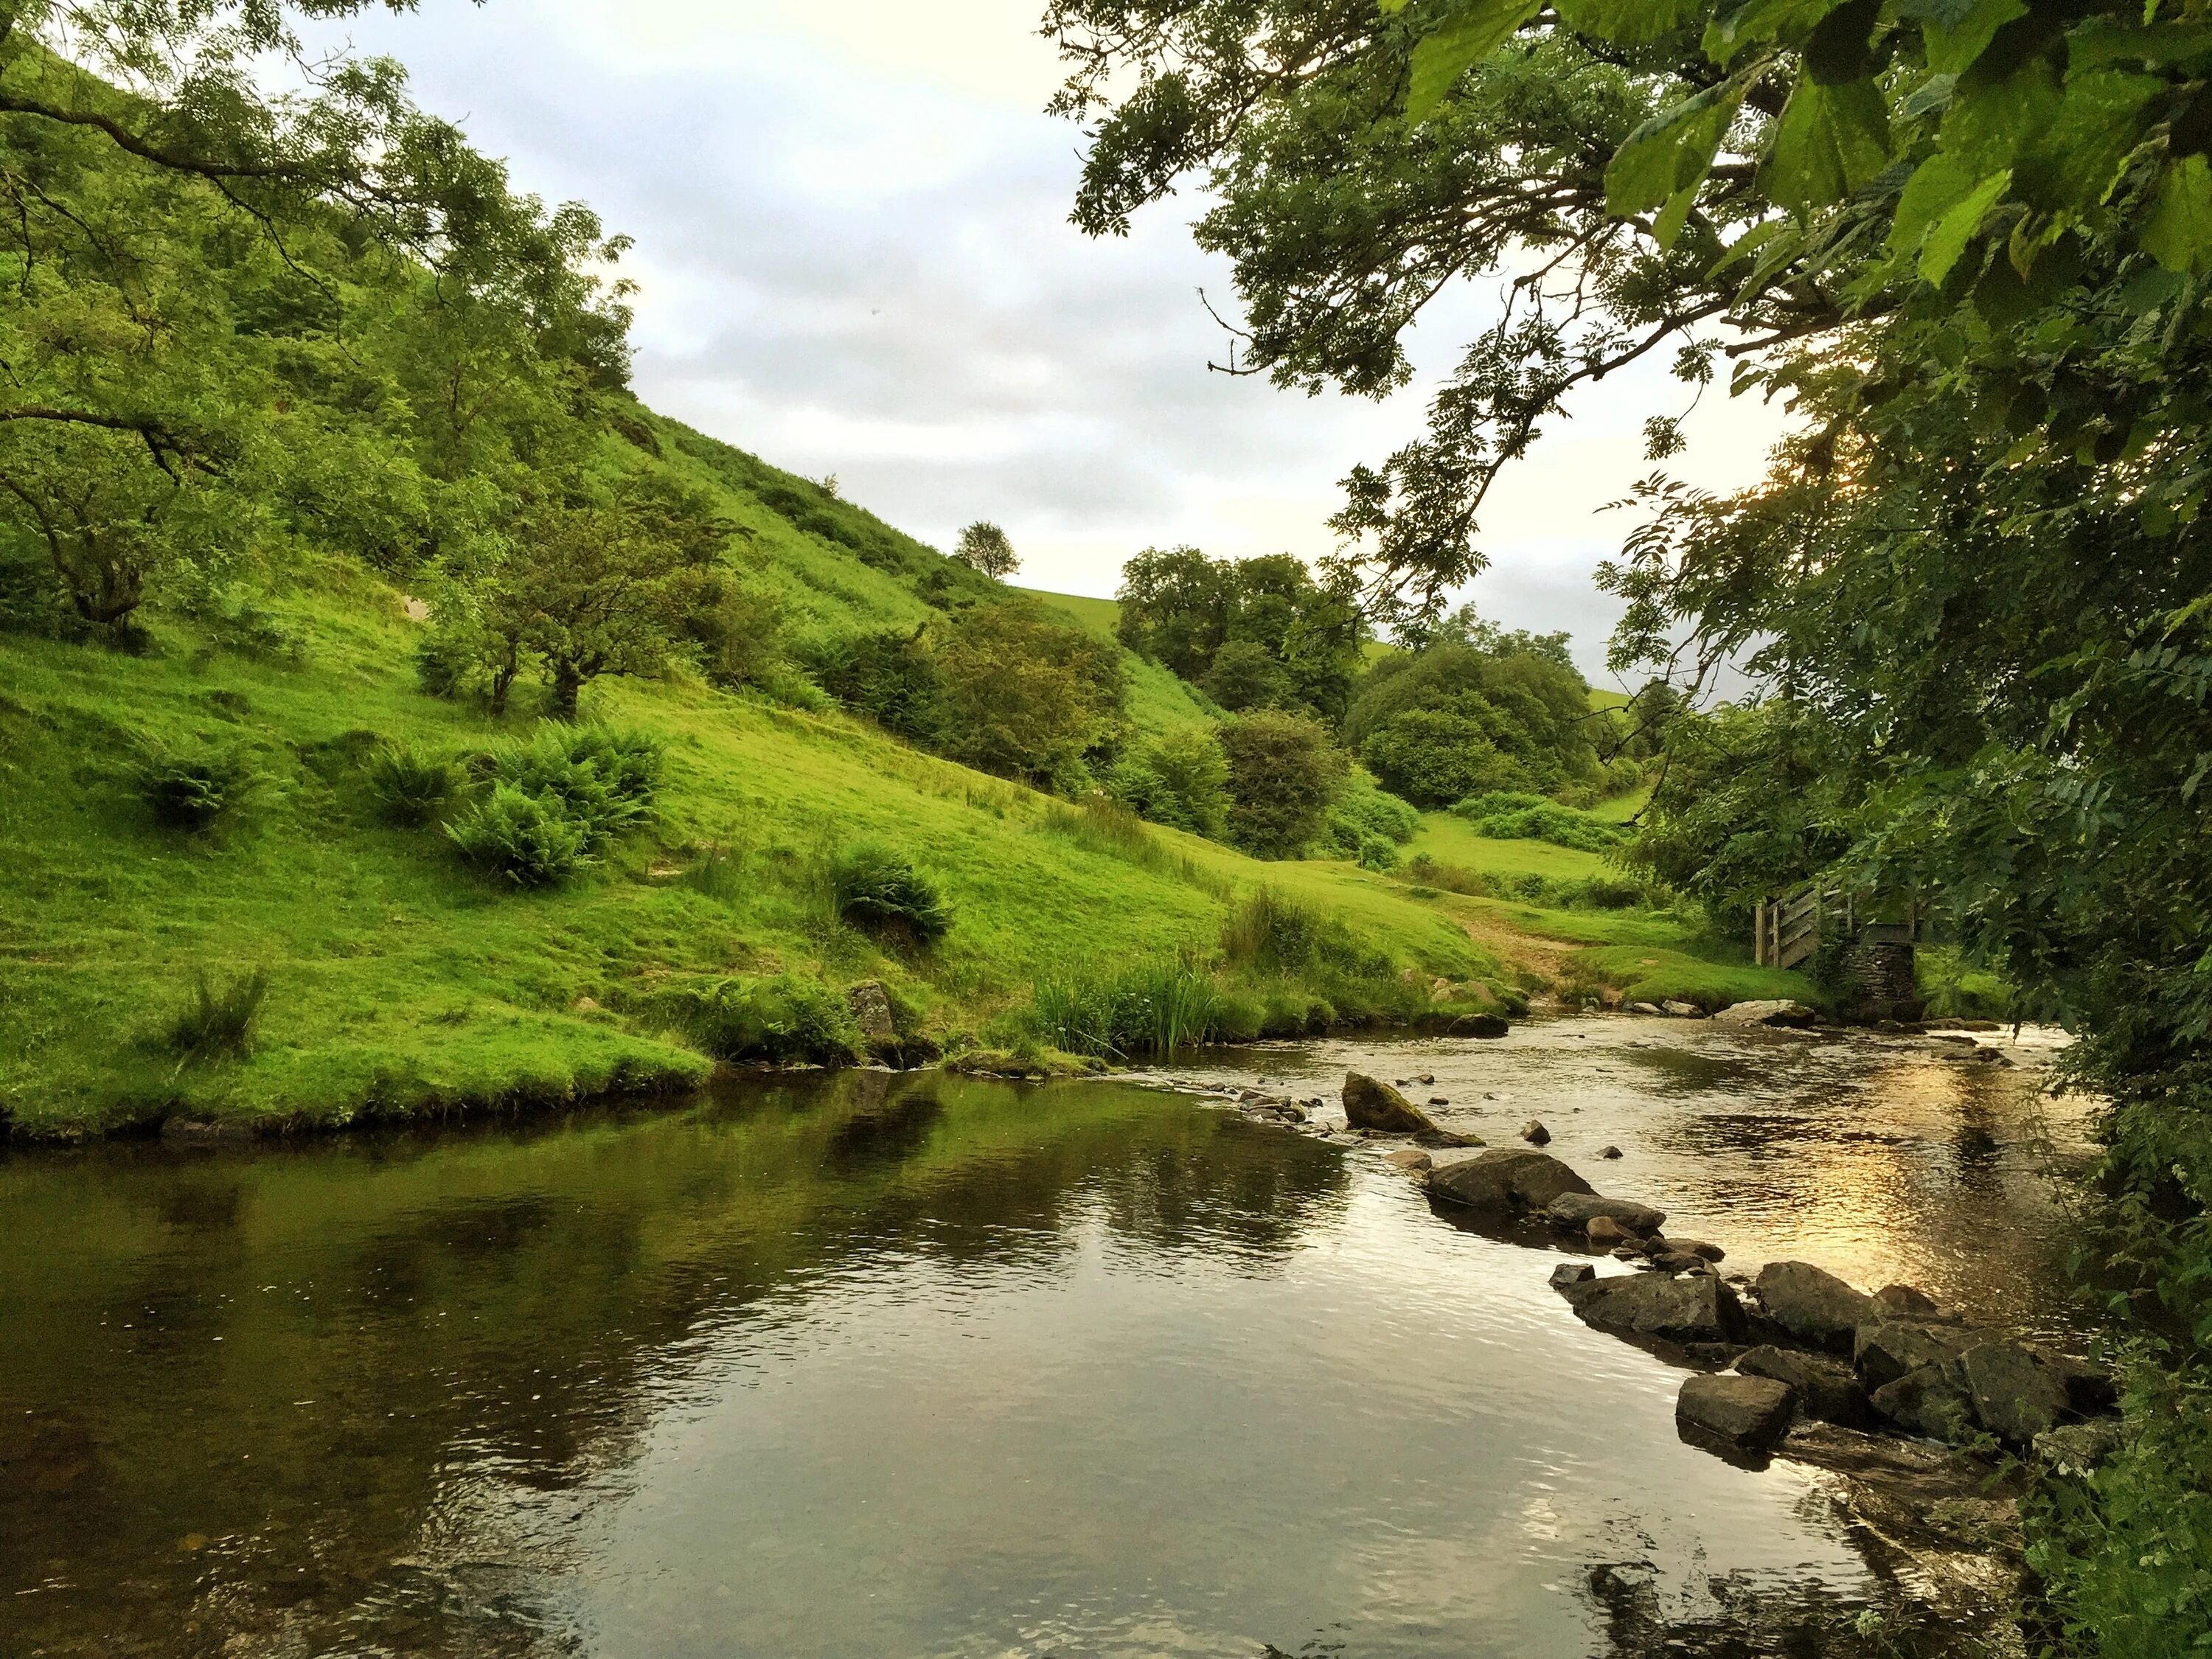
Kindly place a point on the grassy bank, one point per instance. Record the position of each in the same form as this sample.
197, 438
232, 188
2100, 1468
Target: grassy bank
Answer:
400, 981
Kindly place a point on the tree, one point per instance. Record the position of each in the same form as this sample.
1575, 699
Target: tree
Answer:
599, 581
1175, 608
1287, 638
983, 547
1284, 775
1025, 694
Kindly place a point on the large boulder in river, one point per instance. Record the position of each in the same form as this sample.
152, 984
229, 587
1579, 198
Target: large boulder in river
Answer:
1369, 1104
2016, 1396
1744, 1414
1887, 1349
1816, 1307
1578, 1209
1826, 1386
1780, 1011
1698, 1308
1504, 1182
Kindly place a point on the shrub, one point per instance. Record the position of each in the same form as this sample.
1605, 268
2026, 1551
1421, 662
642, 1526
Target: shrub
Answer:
1148, 1010
1284, 775
1026, 693
1273, 934
1433, 755
533, 841
408, 786
221, 1022
889, 677
1506, 815
1181, 780
879, 891
190, 788
788, 1019
602, 778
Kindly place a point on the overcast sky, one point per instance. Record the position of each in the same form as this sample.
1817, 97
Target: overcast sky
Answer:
854, 258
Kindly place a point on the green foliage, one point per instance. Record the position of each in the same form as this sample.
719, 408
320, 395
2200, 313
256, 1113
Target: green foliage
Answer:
1507, 815
1256, 633
220, 1023
193, 786
1475, 710
1274, 934
891, 676
1147, 1011
409, 785
984, 548
1368, 825
599, 779
783, 1020
531, 840
1284, 776
878, 891
1181, 780
1026, 695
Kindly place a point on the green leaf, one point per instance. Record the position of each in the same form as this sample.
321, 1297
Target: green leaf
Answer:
1463, 40
1674, 215
1990, 123
1670, 153
1938, 185
1830, 140
1955, 35
1750, 22
2100, 41
2179, 233
1630, 22
1947, 242
2103, 118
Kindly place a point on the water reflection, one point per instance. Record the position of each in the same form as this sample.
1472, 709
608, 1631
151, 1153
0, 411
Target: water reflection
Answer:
861, 1365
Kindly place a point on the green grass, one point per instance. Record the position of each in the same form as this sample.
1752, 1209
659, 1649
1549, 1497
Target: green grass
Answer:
401, 982
1449, 841
1621, 808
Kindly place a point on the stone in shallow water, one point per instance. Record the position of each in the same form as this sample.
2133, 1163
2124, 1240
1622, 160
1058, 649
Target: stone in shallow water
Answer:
1907, 1299
2016, 1396
1505, 1181
1697, 1309
1535, 1133
1575, 1209
1608, 1151
1571, 1273
1369, 1104
1774, 1012
1927, 1402
1748, 1414
1826, 1386
1409, 1158
1891, 1348
1812, 1305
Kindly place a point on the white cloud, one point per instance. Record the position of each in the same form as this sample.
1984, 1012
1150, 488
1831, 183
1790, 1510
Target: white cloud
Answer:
855, 258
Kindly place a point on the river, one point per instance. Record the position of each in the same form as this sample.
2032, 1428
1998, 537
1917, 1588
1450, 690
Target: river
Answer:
919, 1365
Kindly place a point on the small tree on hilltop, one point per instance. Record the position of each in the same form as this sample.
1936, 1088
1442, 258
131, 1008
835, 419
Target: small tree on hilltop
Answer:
983, 546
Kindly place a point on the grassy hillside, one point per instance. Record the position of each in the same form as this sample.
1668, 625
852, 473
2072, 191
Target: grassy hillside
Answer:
1632, 954
1159, 699
401, 982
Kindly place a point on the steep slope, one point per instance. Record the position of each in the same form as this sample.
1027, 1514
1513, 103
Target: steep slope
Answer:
401, 982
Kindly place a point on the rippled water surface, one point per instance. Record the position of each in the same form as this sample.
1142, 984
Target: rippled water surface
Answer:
891, 1366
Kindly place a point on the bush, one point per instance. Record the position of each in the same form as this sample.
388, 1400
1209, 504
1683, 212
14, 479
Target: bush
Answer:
1505, 815
889, 677
1027, 694
1273, 934
1284, 775
190, 788
533, 841
786, 1020
221, 1022
879, 891
1434, 756
1181, 780
602, 778
1147, 1011
408, 786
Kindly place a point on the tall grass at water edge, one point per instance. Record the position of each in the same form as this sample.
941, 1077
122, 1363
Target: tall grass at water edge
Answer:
1145, 1011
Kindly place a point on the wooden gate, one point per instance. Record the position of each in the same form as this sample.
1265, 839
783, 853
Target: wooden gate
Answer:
1788, 929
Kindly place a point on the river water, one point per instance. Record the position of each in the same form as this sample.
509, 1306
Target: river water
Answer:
916, 1365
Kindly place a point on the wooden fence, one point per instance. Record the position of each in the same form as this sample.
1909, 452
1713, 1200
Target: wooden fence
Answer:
1788, 929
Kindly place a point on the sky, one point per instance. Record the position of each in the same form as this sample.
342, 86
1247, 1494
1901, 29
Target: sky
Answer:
854, 258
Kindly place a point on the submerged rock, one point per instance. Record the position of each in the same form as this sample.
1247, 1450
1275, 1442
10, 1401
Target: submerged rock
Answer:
1409, 1158
1773, 1011
1697, 1309
1505, 1181
1480, 1026
1814, 1305
1369, 1104
1908, 1299
1608, 1151
1579, 1209
1826, 1388
1737, 1414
